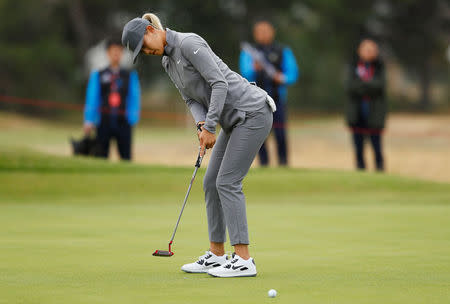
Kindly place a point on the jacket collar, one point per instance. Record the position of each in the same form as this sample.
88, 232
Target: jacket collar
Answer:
171, 39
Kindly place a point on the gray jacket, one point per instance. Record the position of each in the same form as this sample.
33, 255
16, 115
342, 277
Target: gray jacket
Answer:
213, 92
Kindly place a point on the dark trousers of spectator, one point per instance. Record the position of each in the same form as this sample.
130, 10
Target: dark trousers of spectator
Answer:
279, 129
375, 139
121, 132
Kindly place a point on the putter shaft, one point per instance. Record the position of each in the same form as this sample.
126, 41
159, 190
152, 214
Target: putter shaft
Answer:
197, 166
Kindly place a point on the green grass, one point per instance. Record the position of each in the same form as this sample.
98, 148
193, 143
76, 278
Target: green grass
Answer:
82, 231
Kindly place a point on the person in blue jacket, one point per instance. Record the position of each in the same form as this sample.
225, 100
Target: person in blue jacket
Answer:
275, 84
113, 103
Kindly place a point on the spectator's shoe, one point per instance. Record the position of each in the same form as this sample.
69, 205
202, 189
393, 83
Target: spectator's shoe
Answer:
237, 267
205, 262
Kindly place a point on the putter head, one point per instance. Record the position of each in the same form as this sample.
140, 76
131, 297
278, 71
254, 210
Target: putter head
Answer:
163, 253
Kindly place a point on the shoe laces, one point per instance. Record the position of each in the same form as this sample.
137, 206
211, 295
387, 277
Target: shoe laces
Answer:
233, 260
202, 258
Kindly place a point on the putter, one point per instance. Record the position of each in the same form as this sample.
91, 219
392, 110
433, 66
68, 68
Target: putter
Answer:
165, 253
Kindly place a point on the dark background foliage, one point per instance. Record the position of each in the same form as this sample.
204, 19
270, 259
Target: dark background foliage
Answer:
43, 43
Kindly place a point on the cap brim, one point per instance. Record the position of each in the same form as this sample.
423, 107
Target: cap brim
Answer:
137, 50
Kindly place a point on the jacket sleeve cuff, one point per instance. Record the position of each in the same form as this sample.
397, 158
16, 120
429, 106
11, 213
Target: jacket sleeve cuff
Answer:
210, 127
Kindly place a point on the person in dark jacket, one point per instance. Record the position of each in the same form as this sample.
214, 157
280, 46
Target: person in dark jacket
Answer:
112, 104
366, 109
282, 61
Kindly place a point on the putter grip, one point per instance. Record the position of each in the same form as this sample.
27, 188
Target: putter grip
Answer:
198, 163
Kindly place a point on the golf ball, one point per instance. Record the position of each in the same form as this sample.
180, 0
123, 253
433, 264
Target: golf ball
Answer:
272, 293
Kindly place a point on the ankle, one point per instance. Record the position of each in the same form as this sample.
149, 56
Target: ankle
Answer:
245, 257
242, 251
217, 248
217, 252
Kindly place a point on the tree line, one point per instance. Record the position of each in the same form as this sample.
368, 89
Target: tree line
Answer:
42, 43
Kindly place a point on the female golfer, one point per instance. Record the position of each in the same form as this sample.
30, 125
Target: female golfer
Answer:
215, 95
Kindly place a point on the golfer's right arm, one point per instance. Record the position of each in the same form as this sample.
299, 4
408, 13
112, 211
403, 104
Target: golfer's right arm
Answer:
198, 111
196, 52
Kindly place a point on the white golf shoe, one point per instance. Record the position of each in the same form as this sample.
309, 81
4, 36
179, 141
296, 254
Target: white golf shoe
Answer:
205, 262
236, 267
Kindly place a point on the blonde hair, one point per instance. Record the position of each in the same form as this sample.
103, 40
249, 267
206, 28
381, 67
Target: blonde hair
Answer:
154, 20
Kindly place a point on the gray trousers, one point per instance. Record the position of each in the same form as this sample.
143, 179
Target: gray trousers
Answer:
230, 161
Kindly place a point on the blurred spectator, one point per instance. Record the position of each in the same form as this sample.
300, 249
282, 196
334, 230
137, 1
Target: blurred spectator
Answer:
113, 103
273, 67
366, 110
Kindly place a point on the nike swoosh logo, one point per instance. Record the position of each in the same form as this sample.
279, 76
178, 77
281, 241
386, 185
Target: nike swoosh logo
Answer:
195, 52
236, 267
207, 264
179, 60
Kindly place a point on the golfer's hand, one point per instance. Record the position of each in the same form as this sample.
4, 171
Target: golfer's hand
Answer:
207, 140
199, 125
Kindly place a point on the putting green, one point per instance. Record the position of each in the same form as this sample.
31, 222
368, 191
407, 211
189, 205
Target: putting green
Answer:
82, 231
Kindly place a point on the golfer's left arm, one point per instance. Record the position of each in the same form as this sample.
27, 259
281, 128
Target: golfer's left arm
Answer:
196, 51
